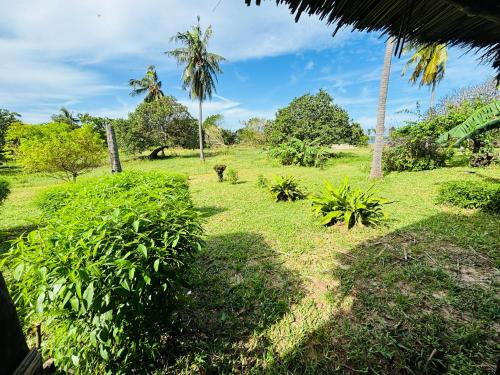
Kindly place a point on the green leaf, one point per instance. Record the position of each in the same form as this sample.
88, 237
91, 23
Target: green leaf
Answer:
39, 302
88, 294
156, 265
18, 271
143, 250
136, 226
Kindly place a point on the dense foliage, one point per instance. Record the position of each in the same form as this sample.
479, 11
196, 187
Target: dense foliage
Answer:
157, 125
232, 176
467, 194
415, 147
297, 152
6, 119
252, 132
219, 169
105, 269
59, 149
4, 190
314, 117
286, 188
348, 205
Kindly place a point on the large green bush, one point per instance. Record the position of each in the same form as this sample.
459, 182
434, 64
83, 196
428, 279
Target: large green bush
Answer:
348, 205
297, 152
314, 117
4, 190
468, 194
105, 269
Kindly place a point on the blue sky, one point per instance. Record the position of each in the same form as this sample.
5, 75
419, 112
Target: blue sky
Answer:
81, 53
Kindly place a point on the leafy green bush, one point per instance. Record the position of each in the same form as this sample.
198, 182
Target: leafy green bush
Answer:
262, 181
348, 205
219, 169
286, 188
297, 152
105, 268
4, 190
232, 176
468, 194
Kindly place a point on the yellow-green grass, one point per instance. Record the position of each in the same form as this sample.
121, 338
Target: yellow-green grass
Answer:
275, 292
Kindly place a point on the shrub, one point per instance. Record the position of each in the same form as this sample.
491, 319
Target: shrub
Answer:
297, 152
467, 194
4, 190
262, 181
232, 176
219, 169
105, 268
286, 188
348, 205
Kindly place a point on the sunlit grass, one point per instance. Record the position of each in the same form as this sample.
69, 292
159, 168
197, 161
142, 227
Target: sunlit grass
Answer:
273, 291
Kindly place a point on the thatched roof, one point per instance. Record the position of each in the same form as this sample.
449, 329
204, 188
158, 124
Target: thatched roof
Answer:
467, 23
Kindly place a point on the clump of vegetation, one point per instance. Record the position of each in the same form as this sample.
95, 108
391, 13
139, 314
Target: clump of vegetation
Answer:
286, 188
468, 194
105, 269
314, 117
348, 205
219, 169
232, 176
297, 152
58, 149
262, 181
4, 190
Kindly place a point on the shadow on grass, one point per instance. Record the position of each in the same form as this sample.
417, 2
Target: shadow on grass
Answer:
239, 288
493, 180
9, 170
10, 234
435, 311
209, 211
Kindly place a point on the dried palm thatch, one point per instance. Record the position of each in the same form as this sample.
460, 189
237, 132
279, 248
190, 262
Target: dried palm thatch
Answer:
473, 24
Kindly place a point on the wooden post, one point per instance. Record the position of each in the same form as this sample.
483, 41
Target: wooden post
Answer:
114, 157
12, 342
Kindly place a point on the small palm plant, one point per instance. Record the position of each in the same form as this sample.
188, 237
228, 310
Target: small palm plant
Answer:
348, 205
286, 188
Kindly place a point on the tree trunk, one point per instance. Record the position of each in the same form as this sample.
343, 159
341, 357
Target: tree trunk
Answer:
200, 129
114, 157
155, 152
12, 341
376, 170
433, 97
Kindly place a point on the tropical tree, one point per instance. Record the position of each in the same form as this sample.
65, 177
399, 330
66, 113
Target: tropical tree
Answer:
148, 84
6, 119
66, 117
429, 63
201, 68
376, 169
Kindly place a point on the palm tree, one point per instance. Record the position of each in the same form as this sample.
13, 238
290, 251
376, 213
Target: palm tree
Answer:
430, 65
66, 117
148, 84
201, 68
376, 170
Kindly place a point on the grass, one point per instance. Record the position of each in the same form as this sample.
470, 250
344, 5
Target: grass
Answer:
274, 292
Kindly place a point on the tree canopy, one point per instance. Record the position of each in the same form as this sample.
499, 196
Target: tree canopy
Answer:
313, 118
157, 125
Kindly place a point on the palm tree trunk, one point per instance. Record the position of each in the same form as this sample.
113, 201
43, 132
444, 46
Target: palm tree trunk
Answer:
200, 128
376, 170
433, 97
114, 157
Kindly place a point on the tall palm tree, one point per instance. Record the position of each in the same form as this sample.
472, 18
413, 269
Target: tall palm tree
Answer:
376, 170
430, 65
201, 68
148, 84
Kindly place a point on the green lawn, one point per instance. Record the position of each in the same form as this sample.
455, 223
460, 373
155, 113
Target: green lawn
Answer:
274, 292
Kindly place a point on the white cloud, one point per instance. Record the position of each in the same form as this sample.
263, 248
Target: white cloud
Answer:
58, 52
309, 65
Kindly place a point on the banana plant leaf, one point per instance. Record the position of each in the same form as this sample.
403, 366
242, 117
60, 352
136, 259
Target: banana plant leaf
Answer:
484, 119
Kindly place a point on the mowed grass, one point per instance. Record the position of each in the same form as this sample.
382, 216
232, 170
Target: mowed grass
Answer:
274, 292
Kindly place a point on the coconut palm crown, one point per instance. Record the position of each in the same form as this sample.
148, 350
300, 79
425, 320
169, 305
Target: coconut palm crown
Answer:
148, 84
